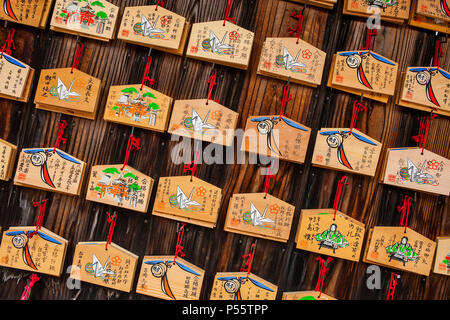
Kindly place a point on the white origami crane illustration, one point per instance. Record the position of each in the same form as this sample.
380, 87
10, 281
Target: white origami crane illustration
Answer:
216, 44
183, 201
289, 61
63, 92
198, 124
415, 175
257, 218
147, 28
99, 269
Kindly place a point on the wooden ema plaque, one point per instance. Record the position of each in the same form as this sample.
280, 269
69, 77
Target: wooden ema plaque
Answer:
229, 45
306, 295
14, 76
442, 261
153, 27
181, 199
31, 12
327, 4
393, 248
346, 150
408, 168
425, 88
8, 153
112, 268
276, 136
436, 9
60, 90
365, 71
127, 188
49, 169
396, 11
341, 238
254, 215
236, 286
284, 59
146, 109
427, 22
92, 19
44, 252
210, 122
162, 278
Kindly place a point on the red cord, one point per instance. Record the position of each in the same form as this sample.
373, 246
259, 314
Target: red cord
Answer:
77, 56
40, 220
392, 284
421, 138
26, 292
133, 144
248, 260
337, 197
286, 98
227, 13
370, 33
298, 29
357, 107
160, 3
323, 270
59, 137
404, 210
146, 76
112, 224
267, 179
8, 43
192, 166
438, 52
212, 83
179, 248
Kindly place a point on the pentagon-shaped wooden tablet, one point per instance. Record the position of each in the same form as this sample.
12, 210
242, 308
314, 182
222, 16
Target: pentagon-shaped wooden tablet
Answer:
276, 136
254, 215
24, 12
13, 76
306, 295
8, 153
44, 252
181, 199
154, 27
408, 168
365, 71
113, 268
427, 22
237, 286
49, 169
341, 238
127, 188
346, 150
394, 248
284, 58
210, 122
146, 109
163, 278
227, 44
390, 10
442, 261
327, 4
436, 9
92, 19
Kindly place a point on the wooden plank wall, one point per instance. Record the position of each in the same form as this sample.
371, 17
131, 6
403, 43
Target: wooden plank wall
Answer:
99, 142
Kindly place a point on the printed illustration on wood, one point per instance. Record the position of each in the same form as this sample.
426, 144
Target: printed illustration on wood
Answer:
92, 19
418, 19
61, 90
239, 286
181, 199
437, 9
39, 251
276, 136
154, 27
306, 295
442, 261
229, 45
392, 247
8, 153
113, 268
32, 12
283, 58
146, 108
163, 278
408, 168
390, 10
253, 214
49, 169
210, 122
341, 238
346, 150
127, 188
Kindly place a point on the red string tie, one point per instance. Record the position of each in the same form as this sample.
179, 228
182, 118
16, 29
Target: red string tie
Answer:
370, 33
404, 210
227, 13
337, 197
357, 107
212, 83
8, 43
59, 137
133, 144
392, 284
438, 53
298, 29
40, 220
179, 248
146, 76
323, 270
192, 166
77, 56
160, 3
267, 179
26, 292
248, 260
286, 98
112, 224
421, 138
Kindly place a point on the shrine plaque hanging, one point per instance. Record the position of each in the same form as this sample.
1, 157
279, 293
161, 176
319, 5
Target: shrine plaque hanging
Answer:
8, 153
365, 71
181, 199
237, 286
346, 150
255, 215
306, 295
13, 76
392, 247
127, 188
396, 11
341, 238
44, 252
29, 12
112, 268
276, 136
75, 93
227, 44
49, 169
154, 27
284, 58
327, 4
92, 19
210, 122
417, 17
161, 277
146, 108
442, 261
436, 9
408, 168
